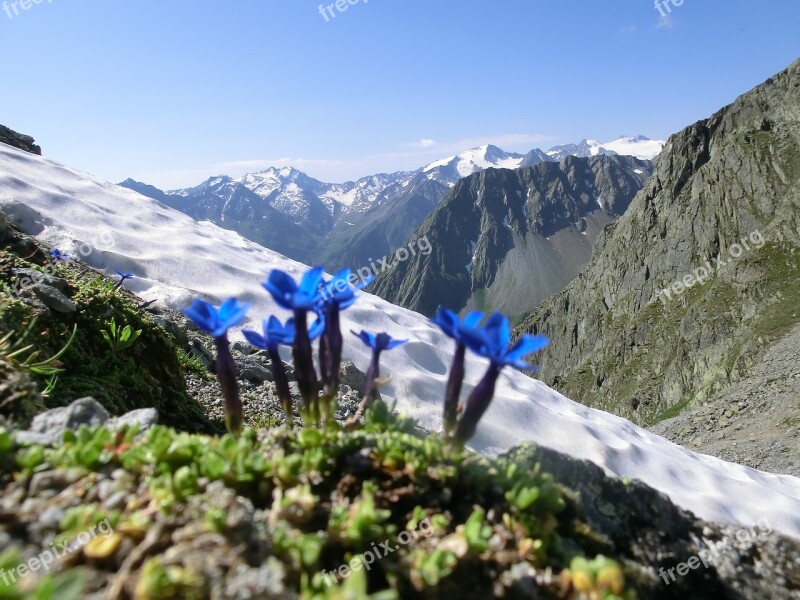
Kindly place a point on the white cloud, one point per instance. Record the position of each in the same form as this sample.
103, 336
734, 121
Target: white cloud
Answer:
416, 155
665, 22
423, 143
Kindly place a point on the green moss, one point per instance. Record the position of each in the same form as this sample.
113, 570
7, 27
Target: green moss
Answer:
148, 374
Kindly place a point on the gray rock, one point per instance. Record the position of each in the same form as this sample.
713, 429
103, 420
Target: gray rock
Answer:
54, 480
54, 299
48, 428
351, 376
19, 140
171, 327
39, 277
243, 348
253, 371
145, 418
197, 348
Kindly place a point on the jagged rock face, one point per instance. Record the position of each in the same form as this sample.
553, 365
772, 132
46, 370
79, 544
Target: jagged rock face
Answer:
19, 140
506, 240
725, 190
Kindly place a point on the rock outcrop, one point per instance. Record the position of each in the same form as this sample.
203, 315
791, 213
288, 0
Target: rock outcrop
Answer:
686, 292
18, 140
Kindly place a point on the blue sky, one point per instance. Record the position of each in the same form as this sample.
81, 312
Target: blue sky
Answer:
172, 92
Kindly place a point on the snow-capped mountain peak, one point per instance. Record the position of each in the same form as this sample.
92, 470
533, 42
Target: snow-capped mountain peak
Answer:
639, 146
477, 159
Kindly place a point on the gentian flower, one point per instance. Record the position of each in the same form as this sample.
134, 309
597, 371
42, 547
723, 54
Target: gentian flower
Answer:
449, 322
378, 343
492, 341
335, 295
58, 255
275, 335
122, 278
216, 323
300, 300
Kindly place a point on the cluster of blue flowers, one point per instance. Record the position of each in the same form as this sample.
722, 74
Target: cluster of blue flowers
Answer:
325, 300
492, 341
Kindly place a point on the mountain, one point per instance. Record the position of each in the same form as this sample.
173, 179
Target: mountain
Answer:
175, 259
350, 223
506, 240
450, 170
229, 204
360, 238
687, 293
639, 146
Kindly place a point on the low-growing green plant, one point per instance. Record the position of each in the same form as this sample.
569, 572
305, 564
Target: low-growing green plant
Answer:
119, 338
26, 358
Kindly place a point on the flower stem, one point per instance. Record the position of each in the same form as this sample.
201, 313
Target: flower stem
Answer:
282, 385
304, 367
226, 374
453, 391
478, 402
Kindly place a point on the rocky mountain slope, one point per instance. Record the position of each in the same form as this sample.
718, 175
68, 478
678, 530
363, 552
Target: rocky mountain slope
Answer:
689, 290
506, 240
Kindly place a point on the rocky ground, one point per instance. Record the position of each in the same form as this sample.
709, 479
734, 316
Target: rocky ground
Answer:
755, 421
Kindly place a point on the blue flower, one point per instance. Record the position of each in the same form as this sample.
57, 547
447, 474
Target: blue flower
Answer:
449, 322
452, 326
289, 295
58, 255
335, 296
301, 299
493, 339
216, 322
276, 334
380, 342
340, 291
